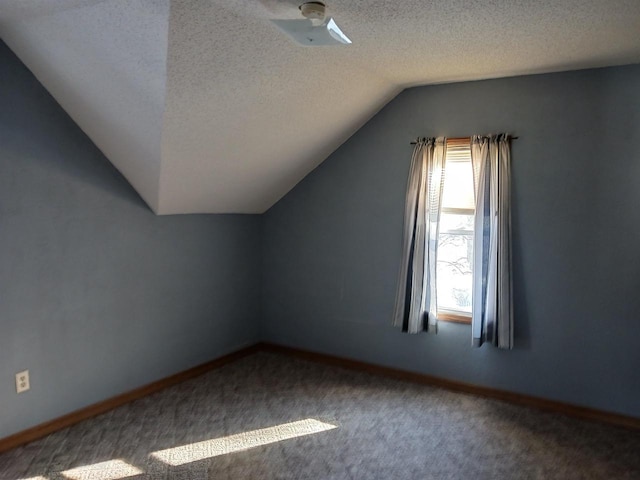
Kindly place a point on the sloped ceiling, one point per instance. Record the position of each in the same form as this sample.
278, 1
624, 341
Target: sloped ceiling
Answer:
206, 107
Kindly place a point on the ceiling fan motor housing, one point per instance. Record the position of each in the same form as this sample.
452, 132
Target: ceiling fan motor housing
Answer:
313, 10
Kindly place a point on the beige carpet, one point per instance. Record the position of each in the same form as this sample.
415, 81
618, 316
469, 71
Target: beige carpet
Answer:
273, 417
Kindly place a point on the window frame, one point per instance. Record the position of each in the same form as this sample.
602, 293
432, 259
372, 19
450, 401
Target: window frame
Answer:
447, 314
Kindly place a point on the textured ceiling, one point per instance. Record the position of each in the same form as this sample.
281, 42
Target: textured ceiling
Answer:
206, 107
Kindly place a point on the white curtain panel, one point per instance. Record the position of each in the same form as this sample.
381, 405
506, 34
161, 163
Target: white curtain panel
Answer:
416, 305
492, 311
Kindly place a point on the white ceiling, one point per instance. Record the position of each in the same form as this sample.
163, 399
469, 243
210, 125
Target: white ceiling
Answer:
206, 107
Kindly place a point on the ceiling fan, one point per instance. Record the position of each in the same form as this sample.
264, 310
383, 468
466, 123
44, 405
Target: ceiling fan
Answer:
315, 29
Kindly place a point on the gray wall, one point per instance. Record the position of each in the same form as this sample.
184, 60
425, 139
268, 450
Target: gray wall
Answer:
97, 294
332, 245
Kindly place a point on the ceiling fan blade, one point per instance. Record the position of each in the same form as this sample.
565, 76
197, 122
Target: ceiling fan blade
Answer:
304, 32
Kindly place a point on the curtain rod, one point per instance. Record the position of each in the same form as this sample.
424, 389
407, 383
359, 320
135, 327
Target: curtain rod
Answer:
460, 138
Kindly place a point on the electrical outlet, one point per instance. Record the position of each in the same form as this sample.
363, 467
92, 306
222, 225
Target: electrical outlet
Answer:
22, 381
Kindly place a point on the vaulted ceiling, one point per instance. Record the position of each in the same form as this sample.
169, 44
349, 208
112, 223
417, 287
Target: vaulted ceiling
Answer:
206, 107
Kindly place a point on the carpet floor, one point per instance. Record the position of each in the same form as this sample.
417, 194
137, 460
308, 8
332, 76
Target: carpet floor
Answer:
269, 416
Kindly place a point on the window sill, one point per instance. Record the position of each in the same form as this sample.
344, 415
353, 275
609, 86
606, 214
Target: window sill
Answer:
455, 317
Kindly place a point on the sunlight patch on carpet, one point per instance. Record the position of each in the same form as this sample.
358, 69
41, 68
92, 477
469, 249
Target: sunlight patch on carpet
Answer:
110, 470
241, 441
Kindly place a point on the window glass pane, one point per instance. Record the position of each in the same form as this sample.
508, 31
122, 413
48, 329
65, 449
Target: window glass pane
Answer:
458, 185
453, 222
455, 257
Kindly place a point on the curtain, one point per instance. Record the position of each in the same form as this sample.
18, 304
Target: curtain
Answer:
492, 310
416, 306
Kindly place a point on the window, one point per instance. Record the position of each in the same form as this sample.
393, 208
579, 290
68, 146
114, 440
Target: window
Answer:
435, 280
455, 240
